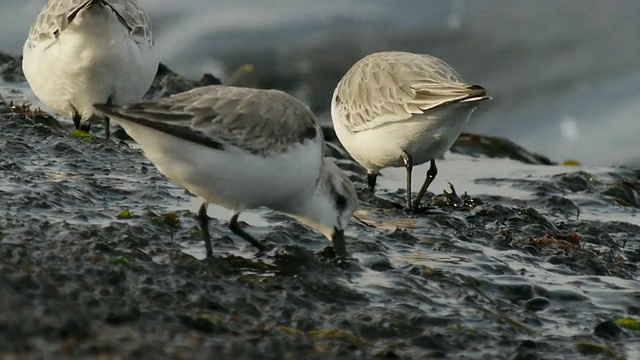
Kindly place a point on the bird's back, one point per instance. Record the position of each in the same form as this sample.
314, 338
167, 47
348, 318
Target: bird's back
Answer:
389, 87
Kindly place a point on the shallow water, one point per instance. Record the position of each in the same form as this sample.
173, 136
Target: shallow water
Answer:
471, 278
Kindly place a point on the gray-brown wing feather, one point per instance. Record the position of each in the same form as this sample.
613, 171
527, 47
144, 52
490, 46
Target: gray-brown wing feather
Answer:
394, 86
55, 17
134, 18
257, 121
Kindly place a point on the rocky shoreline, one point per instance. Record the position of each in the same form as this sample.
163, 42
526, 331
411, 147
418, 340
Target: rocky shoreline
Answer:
92, 263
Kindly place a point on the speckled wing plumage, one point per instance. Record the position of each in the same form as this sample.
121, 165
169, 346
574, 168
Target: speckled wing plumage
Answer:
258, 121
394, 86
57, 14
132, 15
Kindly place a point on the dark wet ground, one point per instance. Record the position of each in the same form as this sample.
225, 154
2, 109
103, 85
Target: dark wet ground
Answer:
475, 276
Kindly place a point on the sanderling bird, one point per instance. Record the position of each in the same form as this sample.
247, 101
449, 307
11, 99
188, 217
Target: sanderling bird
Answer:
398, 109
81, 52
243, 148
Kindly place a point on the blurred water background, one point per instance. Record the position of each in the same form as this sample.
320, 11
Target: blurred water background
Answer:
564, 75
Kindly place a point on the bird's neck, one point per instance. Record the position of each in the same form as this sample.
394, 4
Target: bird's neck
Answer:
316, 211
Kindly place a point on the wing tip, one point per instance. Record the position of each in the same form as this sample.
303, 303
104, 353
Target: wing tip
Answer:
105, 108
477, 93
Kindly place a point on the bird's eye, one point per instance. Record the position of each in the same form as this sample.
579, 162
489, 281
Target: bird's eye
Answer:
341, 202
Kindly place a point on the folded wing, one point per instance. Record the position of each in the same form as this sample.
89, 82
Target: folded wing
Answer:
258, 121
394, 87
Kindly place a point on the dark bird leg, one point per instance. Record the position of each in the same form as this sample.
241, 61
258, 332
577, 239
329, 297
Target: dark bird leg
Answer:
408, 164
371, 180
85, 126
339, 246
431, 174
204, 228
107, 129
77, 121
235, 228
107, 123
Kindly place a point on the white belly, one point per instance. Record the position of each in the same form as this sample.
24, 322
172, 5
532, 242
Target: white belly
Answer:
424, 137
232, 178
88, 62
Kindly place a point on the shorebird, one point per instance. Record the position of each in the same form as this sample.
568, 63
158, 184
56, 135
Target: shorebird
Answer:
81, 52
243, 148
399, 109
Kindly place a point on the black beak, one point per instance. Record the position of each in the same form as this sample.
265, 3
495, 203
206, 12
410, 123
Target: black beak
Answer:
339, 245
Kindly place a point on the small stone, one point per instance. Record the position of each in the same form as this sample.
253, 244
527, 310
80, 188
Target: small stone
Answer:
527, 350
432, 342
387, 354
208, 79
607, 330
537, 304
75, 327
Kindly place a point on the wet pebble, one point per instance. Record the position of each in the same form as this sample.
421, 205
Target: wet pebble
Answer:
625, 192
503, 239
387, 354
576, 181
75, 327
527, 350
516, 291
496, 147
607, 330
436, 343
379, 263
567, 295
537, 304
562, 205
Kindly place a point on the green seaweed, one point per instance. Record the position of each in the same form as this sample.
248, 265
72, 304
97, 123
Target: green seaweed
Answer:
337, 334
125, 214
240, 72
207, 323
171, 220
588, 348
290, 331
238, 262
326, 334
120, 261
460, 328
79, 134
628, 323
